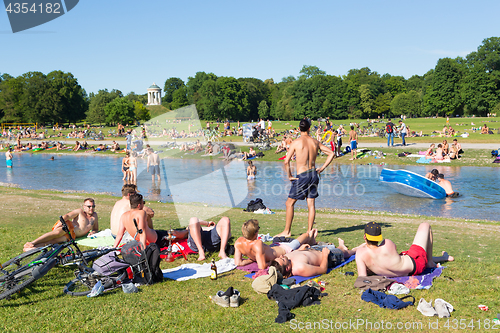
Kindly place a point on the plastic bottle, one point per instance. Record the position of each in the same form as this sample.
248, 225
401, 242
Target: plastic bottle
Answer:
213, 274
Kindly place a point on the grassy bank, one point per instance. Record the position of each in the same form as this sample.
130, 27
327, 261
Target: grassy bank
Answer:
174, 306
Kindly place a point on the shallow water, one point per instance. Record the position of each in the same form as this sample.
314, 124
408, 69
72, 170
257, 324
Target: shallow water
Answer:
215, 183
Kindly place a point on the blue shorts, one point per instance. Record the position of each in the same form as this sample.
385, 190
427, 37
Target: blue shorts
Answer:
305, 186
354, 144
9, 163
210, 240
335, 257
154, 169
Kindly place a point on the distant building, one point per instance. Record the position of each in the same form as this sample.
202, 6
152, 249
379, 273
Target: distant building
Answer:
154, 95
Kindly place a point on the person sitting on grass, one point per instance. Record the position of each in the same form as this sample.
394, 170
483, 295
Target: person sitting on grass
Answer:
209, 148
256, 251
446, 147
458, 146
80, 222
313, 260
77, 146
429, 154
251, 153
380, 257
485, 129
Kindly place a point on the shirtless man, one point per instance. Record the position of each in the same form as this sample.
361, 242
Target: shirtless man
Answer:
353, 139
80, 222
306, 183
154, 163
383, 259
432, 175
447, 186
312, 261
263, 254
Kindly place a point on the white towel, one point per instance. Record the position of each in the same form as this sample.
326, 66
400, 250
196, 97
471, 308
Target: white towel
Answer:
193, 271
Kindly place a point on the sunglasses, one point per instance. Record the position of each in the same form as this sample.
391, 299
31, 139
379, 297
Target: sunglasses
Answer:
93, 206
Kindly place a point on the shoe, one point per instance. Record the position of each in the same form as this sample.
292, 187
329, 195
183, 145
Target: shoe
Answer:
398, 289
220, 299
426, 308
234, 300
443, 308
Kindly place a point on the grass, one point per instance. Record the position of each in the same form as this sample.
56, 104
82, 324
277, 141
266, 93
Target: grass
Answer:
173, 306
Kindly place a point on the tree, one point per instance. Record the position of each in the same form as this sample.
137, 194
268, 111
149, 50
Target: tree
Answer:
310, 71
367, 101
171, 85
256, 91
263, 110
443, 95
195, 83
409, 104
179, 98
141, 112
96, 112
69, 98
120, 110
233, 99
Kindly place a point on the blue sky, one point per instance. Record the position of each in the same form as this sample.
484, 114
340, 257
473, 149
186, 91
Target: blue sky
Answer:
129, 44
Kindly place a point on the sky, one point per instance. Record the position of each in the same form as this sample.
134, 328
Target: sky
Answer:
129, 44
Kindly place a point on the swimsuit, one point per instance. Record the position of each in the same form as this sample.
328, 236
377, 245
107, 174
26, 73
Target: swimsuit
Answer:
306, 185
132, 168
418, 256
9, 162
453, 195
354, 144
210, 240
335, 257
155, 169
70, 225
125, 168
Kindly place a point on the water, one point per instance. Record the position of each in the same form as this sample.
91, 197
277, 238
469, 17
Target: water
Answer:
215, 183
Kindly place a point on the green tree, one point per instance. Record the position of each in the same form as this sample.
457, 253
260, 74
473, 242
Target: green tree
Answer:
367, 101
69, 99
96, 112
443, 96
256, 91
233, 99
11, 94
120, 110
311, 71
263, 110
179, 98
195, 83
409, 104
141, 112
171, 85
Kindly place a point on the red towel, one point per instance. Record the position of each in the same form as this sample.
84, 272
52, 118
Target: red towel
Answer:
187, 250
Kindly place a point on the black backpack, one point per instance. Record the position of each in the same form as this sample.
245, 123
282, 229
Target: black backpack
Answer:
255, 205
149, 261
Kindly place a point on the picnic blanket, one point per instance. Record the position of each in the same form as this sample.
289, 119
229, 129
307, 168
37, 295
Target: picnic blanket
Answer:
194, 271
102, 238
298, 279
423, 160
423, 281
179, 248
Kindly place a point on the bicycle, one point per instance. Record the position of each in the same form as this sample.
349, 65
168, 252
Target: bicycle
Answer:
21, 271
113, 275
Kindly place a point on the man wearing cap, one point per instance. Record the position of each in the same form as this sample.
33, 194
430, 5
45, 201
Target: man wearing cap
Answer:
383, 259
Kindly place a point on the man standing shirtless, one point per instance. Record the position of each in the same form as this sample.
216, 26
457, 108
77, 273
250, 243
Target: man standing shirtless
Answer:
154, 163
447, 186
312, 261
306, 183
384, 259
263, 254
80, 222
353, 139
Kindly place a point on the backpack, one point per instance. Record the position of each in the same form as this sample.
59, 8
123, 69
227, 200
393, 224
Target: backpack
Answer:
254, 205
109, 264
494, 153
388, 128
148, 259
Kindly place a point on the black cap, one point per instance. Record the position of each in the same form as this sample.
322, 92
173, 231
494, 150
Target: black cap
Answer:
373, 232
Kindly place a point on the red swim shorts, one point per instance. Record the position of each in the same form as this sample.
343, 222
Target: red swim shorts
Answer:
419, 258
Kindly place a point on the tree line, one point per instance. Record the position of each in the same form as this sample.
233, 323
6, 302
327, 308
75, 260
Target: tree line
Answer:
461, 86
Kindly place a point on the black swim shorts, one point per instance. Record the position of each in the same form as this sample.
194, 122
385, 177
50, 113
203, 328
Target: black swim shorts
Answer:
210, 240
305, 186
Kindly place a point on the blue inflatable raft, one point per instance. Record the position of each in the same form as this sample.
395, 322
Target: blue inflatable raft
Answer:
412, 184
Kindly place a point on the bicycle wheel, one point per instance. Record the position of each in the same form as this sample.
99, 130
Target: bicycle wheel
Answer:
79, 287
89, 255
22, 260
23, 277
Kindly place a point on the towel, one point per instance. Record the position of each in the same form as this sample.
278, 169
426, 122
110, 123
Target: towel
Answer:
179, 248
298, 278
423, 160
102, 238
195, 271
423, 281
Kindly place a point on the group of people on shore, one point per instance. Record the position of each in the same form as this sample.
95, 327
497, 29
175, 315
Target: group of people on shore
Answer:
444, 152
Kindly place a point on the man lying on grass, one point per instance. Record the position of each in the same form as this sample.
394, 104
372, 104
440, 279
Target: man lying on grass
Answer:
313, 260
80, 222
383, 259
257, 251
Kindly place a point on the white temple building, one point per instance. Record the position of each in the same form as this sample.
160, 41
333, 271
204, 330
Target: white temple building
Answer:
154, 95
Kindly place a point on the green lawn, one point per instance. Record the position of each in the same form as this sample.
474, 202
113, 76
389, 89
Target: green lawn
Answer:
185, 306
